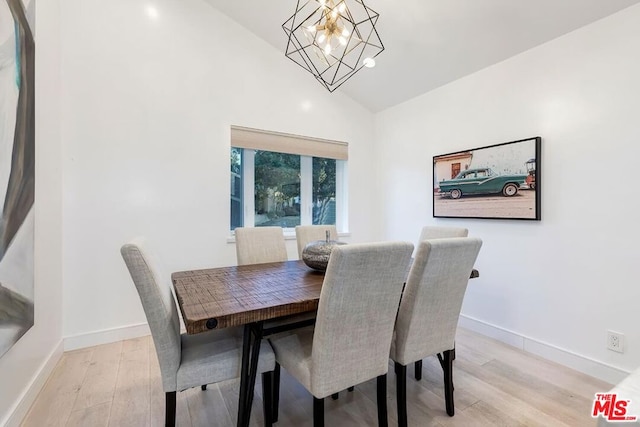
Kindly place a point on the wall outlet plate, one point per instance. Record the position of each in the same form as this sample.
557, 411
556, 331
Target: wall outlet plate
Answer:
615, 341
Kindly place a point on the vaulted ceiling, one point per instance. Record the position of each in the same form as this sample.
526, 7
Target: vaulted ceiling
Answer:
429, 43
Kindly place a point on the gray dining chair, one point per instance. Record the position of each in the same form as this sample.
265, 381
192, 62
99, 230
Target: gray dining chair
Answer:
438, 232
259, 245
306, 234
352, 337
188, 361
429, 311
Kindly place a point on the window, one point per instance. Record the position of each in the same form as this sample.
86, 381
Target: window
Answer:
286, 180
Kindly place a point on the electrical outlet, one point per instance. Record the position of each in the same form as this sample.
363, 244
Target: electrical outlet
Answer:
615, 341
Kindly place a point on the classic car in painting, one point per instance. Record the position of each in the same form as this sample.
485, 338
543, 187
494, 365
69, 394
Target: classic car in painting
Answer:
482, 181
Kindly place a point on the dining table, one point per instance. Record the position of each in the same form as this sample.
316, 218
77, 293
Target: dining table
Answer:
258, 297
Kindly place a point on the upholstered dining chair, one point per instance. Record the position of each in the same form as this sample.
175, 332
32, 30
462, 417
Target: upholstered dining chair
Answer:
309, 233
187, 361
429, 311
358, 304
437, 232
259, 245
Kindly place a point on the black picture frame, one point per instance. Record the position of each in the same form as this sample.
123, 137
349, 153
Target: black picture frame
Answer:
500, 181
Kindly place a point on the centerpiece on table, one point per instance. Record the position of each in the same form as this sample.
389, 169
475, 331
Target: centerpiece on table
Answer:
316, 254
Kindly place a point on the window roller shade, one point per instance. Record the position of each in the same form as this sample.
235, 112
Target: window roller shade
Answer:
256, 139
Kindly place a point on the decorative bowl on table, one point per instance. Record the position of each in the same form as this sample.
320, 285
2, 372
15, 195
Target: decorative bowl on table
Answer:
316, 254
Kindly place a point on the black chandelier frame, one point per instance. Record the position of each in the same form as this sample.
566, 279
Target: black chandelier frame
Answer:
329, 69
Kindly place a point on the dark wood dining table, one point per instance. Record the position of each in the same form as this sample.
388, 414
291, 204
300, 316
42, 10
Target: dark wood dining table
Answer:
248, 296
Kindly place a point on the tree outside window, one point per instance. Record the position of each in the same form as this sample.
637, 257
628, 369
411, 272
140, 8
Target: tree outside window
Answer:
286, 189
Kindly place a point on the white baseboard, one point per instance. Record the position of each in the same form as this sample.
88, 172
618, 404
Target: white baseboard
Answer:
105, 336
40, 377
572, 360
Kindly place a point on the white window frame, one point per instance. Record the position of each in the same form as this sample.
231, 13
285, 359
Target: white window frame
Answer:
306, 191
251, 140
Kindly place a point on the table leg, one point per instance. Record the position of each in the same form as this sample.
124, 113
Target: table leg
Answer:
252, 339
244, 369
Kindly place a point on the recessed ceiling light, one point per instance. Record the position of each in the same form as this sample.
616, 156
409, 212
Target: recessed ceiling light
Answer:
152, 12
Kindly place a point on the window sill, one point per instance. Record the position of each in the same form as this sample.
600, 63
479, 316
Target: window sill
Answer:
289, 235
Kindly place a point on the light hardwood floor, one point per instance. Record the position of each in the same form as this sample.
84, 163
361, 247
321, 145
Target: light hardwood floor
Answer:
495, 385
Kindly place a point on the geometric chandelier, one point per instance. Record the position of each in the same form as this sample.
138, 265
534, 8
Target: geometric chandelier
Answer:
333, 39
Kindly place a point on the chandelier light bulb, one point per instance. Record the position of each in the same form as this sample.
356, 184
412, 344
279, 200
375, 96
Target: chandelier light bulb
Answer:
369, 62
321, 38
327, 49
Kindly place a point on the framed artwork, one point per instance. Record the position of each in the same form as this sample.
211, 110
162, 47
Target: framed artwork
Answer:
500, 181
17, 169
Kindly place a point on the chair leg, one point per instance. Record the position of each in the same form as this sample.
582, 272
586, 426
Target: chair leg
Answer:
418, 373
267, 398
401, 393
448, 356
170, 409
382, 401
318, 412
276, 393
336, 396
203, 387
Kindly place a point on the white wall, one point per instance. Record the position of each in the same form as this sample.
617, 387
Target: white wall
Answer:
25, 367
147, 104
557, 285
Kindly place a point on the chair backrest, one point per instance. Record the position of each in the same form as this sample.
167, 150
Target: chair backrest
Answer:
432, 298
258, 245
435, 232
160, 309
308, 233
356, 314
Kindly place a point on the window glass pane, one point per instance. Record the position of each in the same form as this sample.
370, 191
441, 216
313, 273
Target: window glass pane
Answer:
271, 189
236, 188
324, 191
277, 189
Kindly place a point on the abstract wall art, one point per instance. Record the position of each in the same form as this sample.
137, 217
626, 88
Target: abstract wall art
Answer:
17, 169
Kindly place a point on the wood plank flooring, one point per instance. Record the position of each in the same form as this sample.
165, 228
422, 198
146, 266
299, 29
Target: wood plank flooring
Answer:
495, 385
